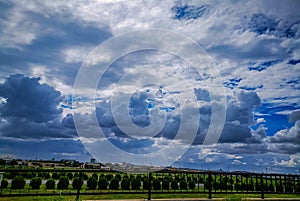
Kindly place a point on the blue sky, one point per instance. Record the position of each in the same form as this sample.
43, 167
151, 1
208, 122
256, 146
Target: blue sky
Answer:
254, 45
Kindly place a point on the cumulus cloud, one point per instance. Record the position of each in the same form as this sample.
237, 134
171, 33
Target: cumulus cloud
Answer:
30, 109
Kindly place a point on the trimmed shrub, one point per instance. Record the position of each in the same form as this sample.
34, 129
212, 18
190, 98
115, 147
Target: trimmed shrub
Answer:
18, 182
118, 176
85, 176
77, 183
183, 185
70, 175
35, 183
146, 184
50, 184
55, 175
174, 185
92, 183
103, 183
156, 184
63, 183
114, 184
165, 184
136, 184
192, 185
110, 176
4, 183
125, 184
95, 175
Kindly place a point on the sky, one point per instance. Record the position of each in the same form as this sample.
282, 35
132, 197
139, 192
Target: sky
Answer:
194, 84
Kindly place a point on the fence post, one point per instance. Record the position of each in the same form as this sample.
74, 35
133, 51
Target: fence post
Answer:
150, 186
209, 185
78, 187
262, 186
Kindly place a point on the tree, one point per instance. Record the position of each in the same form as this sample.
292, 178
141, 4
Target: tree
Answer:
35, 183
110, 176
183, 185
192, 185
77, 183
63, 183
18, 182
156, 184
103, 183
70, 175
95, 175
92, 183
165, 184
174, 185
125, 184
146, 184
136, 184
114, 184
4, 183
50, 184
55, 175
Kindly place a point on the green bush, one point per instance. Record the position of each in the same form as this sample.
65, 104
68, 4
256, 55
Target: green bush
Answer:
85, 176
92, 183
146, 184
174, 185
70, 175
35, 183
18, 182
77, 183
156, 184
114, 184
136, 184
95, 175
118, 176
103, 183
63, 183
55, 175
110, 176
50, 184
165, 184
125, 184
4, 183
183, 185
192, 185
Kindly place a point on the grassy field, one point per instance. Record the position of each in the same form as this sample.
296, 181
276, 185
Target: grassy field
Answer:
141, 196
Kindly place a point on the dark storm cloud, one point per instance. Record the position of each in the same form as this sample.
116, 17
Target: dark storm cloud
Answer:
26, 98
31, 110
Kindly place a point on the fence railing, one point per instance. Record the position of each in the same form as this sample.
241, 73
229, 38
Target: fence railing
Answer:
161, 182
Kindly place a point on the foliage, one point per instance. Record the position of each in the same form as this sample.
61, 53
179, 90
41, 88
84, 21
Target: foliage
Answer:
192, 185
165, 184
50, 184
136, 184
103, 183
77, 183
55, 175
174, 185
4, 183
114, 184
146, 184
92, 183
70, 175
183, 185
63, 183
18, 182
95, 175
156, 184
125, 184
35, 183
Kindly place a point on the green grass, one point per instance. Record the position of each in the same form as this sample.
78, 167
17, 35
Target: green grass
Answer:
229, 197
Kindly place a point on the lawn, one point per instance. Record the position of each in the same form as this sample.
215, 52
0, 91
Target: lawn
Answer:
228, 197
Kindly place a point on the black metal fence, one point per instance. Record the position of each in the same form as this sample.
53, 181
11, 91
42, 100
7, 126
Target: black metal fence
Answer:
162, 182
